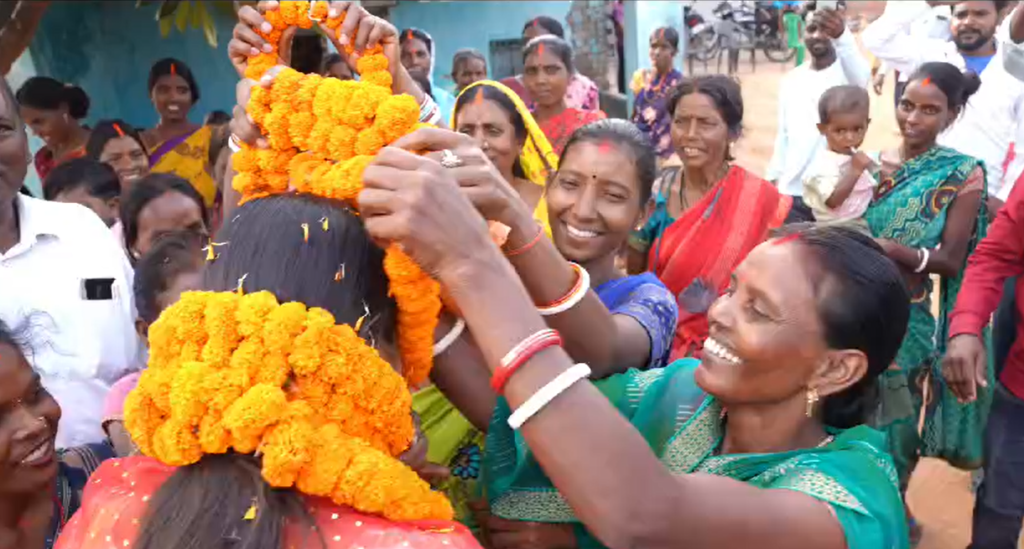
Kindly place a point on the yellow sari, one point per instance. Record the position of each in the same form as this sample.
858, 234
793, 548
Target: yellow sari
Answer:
188, 156
537, 157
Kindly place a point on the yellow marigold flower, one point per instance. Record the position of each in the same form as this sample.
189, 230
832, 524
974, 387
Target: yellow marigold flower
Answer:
314, 391
363, 106
224, 387
277, 127
286, 84
245, 160
222, 327
141, 419
175, 443
273, 370
379, 78
282, 325
319, 10
302, 101
248, 359
276, 183
321, 136
326, 96
342, 143
187, 394
259, 408
299, 128
396, 116
329, 460
252, 312
309, 347
369, 142
245, 183
213, 437
156, 384
260, 64
371, 63
343, 98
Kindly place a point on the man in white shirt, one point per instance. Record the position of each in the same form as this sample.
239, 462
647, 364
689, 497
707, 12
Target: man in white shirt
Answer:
64, 278
990, 121
934, 24
835, 60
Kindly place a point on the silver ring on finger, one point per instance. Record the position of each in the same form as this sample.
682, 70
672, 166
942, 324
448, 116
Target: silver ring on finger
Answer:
450, 160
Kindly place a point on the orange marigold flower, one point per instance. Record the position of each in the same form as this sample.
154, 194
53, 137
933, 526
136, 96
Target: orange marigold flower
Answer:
175, 443
286, 449
245, 160
371, 63
319, 10
260, 64
309, 349
292, 13
286, 84
277, 127
252, 311
275, 18
187, 395
369, 142
141, 419
396, 116
213, 437
342, 143
320, 137
381, 79
304, 96
276, 182
259, 408
299, 128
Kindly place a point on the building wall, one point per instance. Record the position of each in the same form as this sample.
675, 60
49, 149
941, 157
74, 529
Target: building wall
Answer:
642, 18
108, 47
471, 24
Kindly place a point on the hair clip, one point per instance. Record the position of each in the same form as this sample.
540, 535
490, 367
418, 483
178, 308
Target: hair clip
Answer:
241, 284
305, 232
117, 128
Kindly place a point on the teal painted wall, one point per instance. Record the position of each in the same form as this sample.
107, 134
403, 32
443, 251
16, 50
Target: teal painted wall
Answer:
108, 47
471, 24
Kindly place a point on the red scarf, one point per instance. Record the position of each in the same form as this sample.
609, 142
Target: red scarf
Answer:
697, 253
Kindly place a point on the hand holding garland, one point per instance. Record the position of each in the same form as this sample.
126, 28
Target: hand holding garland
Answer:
600, 464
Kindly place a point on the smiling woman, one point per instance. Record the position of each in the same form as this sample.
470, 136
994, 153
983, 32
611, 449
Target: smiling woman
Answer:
176, 145
46, 485
119, 145
52, 111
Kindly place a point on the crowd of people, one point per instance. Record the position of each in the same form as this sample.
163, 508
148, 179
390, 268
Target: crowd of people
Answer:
640, 342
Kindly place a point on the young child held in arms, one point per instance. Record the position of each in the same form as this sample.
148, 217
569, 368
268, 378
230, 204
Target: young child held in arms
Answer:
839, 184
174, 265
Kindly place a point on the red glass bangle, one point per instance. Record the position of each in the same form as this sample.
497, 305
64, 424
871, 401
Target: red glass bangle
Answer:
522, 353
577, 287
528, 246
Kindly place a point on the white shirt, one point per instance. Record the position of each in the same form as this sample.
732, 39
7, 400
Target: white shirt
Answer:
797, 140
1013, 62
934, 24
990, 121
79, 347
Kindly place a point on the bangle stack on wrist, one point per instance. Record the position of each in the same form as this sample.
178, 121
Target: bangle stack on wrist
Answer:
571, 299
430, 113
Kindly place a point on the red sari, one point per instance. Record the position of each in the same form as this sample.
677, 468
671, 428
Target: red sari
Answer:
115, 501
559, 129
696, 255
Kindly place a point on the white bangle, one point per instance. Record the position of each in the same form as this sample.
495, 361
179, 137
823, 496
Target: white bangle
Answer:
451, 337
546, 394
925, 256
579, 291
233, 143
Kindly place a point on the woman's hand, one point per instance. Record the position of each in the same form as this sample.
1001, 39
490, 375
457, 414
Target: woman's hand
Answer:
416, 457
514, 534
246, 43
479, 180
415, 202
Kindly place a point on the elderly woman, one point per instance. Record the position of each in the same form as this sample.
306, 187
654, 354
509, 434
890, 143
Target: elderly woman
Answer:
763, 443
691, 237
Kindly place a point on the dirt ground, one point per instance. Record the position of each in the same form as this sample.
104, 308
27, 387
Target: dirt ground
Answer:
939, 496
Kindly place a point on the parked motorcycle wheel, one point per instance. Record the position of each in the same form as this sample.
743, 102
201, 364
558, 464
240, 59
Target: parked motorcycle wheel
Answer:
776, 49
704, 44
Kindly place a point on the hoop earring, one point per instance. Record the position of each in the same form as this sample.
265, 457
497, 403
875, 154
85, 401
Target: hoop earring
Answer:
812, 400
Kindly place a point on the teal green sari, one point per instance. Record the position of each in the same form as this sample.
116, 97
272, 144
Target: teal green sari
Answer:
684, 428
910, 207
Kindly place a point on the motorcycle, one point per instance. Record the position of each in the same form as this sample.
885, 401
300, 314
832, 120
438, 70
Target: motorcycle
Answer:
754, 26
702, 37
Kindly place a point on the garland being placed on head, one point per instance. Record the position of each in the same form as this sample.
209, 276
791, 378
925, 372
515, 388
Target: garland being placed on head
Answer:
322, 133
324, 410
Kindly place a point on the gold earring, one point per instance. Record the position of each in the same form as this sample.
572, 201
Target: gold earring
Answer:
812, 399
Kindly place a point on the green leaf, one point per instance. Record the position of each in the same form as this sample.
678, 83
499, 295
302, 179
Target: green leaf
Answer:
140, 3
198, 12
165, 26
167, 7
209, 28
181, 16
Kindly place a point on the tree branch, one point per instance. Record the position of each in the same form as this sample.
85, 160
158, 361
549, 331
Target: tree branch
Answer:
17, 32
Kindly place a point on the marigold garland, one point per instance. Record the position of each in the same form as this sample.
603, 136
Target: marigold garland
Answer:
322, 134
244, 373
